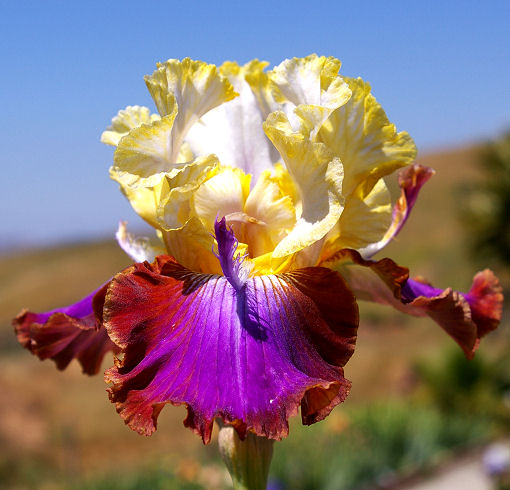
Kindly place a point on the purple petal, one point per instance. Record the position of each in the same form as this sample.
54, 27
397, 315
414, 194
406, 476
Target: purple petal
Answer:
248, 356
412, 289
232, 267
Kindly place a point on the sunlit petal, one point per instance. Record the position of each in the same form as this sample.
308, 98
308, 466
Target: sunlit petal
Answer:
318, 178
368, 145
311, 88
192, 88
233, 131
140, 249
127, 119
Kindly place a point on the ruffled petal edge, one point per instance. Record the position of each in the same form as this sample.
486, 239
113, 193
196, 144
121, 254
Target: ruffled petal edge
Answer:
66, 333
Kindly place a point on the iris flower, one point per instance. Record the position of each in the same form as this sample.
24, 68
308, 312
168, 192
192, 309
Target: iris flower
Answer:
267, 192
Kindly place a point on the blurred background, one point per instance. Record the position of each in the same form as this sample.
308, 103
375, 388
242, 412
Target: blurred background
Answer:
417, 411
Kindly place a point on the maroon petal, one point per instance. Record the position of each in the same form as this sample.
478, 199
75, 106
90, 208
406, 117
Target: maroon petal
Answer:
65, 334
249, 355
466, 317
486, 301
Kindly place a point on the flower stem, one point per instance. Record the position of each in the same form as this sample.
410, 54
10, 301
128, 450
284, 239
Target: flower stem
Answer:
247, 461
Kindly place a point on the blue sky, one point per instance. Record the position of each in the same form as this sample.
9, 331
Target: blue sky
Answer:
440, 69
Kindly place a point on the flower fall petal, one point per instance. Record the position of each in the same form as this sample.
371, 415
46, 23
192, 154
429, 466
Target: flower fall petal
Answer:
249, 354
66, 333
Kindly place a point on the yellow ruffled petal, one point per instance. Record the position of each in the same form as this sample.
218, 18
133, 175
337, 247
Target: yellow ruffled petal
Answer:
222, 195
364, 220
145, 201
194, 86
143, 159
318, 177
157, 187
312, 87
144, 153
125, 120
360, 134
174, 207
261, 86
273, 212
192, 246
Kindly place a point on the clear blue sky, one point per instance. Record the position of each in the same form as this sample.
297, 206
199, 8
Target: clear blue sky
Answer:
440, 69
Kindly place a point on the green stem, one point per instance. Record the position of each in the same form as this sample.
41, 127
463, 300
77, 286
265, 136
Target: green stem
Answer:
247, 461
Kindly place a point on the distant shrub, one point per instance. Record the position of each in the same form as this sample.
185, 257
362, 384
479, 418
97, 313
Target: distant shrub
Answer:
485, 204
474, 388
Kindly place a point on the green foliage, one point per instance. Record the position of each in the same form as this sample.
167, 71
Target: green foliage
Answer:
472, 388
380, 441
141, 480
37, 474
485, 204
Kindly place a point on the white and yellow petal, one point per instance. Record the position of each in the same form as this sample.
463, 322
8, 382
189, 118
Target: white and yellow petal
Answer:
273, 215
311, 88
360, 134
192, 246
143, 160
178, 188
224, 194
155, 184
194, 87
364, 220
139, 248
145, 153
127, 119
233, 131
318, 178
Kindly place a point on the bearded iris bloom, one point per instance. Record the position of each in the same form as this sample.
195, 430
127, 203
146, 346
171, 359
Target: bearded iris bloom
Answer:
267, 192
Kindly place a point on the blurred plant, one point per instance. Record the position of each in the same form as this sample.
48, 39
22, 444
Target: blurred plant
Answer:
485, 204
476, 388
380, 443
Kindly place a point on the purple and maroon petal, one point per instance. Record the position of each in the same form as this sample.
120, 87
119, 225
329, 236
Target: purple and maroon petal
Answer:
249, 354
411, 179
65, 334
466, 317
